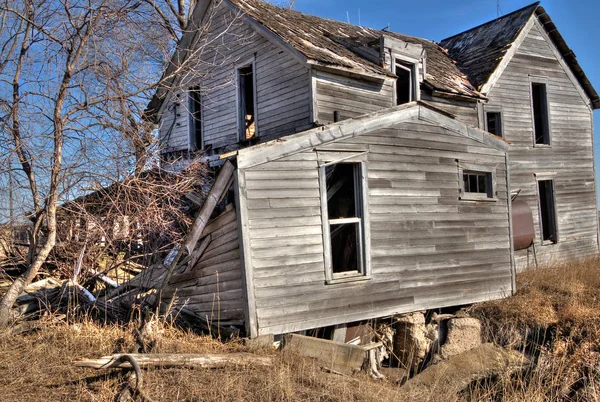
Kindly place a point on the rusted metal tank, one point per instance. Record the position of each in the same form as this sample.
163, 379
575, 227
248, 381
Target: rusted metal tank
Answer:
522, 223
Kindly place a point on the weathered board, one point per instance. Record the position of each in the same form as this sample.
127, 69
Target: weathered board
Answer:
227, 42
568, 161
212, 288
428, 248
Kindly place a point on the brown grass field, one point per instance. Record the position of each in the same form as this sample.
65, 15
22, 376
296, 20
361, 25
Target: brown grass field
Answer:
554, 318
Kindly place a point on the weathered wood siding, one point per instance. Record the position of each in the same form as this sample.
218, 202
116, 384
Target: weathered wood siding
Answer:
282, 85
350, 97
463, 111
428, 248
212, 288
570, 156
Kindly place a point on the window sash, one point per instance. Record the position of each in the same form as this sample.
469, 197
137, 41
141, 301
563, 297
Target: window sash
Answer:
361, 220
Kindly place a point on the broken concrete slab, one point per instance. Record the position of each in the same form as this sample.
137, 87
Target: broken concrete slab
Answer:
456, 373
464, 333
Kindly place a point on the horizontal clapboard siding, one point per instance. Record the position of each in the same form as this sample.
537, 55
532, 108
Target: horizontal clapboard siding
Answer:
428, 248
463, 111
570, 157
212, 288
282, 86
349, 97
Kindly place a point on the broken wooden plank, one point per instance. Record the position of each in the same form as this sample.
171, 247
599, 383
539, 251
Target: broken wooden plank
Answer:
337, 356
170, 360
214, 195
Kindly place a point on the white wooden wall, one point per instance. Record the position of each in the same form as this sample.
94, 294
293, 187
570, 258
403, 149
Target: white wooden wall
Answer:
282, 84
570, 157
429, 249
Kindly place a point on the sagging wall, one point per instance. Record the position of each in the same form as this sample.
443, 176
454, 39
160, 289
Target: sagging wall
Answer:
212, 288
282, 85
428, 248
568, 160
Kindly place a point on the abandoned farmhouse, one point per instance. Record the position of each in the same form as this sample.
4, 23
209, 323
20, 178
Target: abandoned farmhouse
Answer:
374, 173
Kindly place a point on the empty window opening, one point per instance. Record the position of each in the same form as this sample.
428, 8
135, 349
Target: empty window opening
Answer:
540, 113
493, 121
404, 82
478, 183
195, 107
246, 99
547, 210
344, 203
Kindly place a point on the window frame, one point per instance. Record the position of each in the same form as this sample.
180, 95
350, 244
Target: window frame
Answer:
540, 81
411, 65
552, 178
486, 111
361, 205
192, 121
238, 100
490, 173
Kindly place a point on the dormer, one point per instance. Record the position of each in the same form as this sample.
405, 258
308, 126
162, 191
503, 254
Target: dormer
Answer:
408, 62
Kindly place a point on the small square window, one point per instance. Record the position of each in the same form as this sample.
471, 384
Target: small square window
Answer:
493, 123
476, 183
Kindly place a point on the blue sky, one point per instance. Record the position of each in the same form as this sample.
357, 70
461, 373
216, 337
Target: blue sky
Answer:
577, 21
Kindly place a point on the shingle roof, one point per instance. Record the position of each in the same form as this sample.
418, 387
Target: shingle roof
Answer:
327, 42
479, 50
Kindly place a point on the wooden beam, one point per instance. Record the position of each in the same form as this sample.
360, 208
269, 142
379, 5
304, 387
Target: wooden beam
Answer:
169, 360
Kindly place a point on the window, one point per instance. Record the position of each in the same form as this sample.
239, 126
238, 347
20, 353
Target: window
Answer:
405, 83
541, 126
195, 108
246, 98
476, 182
547, 210
493, 123
343, 188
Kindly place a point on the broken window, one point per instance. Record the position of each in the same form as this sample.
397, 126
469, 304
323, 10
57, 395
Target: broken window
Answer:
493, 123
405, 82
247, 95
195, 107
541, 126
547, 210
344, 217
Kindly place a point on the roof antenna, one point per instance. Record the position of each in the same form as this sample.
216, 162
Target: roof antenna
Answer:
348, 16
498, 10
359, 17
386, 28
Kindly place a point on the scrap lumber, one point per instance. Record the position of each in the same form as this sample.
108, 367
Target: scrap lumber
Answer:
340, 357
170, 360
214, 195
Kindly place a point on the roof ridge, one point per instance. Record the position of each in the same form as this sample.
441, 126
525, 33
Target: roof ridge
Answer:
532, 5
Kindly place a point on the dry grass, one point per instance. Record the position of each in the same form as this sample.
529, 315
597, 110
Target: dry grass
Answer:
555, 318
38, 367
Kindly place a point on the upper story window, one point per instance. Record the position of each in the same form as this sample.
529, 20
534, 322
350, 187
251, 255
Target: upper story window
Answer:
406, 82
493, 123
195, 125
344, 213
246, 102
541, 122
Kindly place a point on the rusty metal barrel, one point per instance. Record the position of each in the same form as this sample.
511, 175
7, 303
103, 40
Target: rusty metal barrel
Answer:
522, 223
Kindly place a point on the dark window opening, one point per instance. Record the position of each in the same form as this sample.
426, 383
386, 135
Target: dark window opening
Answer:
478, 183
493, 121
404, 83
547, 210
540, 113
195, 106
246, 98
344, 216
